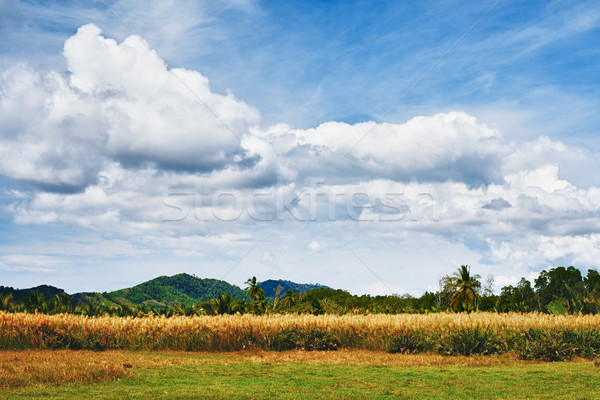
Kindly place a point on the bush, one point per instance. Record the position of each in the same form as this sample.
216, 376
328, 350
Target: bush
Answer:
469, 341
316, 339
309, 340
587, 342
544, 345
287, 339
406, 342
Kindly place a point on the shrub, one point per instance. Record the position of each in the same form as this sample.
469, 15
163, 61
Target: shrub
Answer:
309, 340
469, 341
587, 342
544, 345
406, 342
286, 339
316, 339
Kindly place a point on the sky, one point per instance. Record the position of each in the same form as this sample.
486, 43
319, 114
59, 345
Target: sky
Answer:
371, 146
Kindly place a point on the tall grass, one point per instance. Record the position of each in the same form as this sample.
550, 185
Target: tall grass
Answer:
528, 335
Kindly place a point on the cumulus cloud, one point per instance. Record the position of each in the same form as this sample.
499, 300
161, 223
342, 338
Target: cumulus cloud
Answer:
497, 204
154, 114
118, 102
448, 146
47, 136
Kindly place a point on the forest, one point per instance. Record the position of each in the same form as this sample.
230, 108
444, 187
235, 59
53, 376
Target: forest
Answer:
556, 291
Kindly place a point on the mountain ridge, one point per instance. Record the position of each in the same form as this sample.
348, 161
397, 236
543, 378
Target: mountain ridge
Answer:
163, 291
270, 286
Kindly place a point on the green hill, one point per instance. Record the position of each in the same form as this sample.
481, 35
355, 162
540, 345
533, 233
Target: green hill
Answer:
83, 298
177, 289
269, 286
21, 294
164, 291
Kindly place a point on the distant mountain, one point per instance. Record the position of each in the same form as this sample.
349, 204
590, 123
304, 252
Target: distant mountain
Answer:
164, 291
177, 289
269, 286
97, 298
21, 294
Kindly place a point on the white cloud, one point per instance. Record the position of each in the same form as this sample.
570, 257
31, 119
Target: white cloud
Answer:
119, 102
48, 137
382, 288
314, 245
582, 249
155, 114
37, 263
439, 147
267, 257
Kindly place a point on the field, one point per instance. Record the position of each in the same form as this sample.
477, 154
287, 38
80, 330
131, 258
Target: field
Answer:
483, 355
288, 375
529, 336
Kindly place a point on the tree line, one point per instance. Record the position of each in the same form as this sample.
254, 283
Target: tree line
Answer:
559, 290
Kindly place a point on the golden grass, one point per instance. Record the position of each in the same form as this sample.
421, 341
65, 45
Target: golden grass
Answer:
23, 368
238, 332
31, 367
366, 357
278, 321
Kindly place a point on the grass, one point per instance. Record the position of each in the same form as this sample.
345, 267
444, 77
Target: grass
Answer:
531, 336
290, 375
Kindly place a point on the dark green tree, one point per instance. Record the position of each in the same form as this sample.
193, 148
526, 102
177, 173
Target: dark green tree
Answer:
7, 303
253, 288
465, 288
550, 285
289, 299
36, 302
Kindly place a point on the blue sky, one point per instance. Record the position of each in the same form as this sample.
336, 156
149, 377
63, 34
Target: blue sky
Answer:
370, 146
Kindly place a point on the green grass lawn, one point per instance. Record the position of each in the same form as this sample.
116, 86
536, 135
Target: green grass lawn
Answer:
332, 376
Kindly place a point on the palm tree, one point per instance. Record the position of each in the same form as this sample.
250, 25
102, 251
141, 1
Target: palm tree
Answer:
289, 299
465, 288
35, 302
260, 303
222, 304
62, 303
92, 309
253, 288
7, 303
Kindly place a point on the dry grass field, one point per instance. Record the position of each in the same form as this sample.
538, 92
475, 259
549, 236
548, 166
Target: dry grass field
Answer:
360, 374
453, 333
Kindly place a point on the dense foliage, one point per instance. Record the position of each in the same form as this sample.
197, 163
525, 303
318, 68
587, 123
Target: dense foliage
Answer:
558, 291
178, 289
270, 286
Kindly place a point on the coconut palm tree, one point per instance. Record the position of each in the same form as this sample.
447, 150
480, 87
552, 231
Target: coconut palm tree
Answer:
465, 288
62, 303
260, 303
7, 303
92, 309
222, 304
253, 288
36, 302
289, 299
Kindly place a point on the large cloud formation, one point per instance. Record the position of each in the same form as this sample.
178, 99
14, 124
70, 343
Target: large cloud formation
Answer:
121, 143
118, 102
